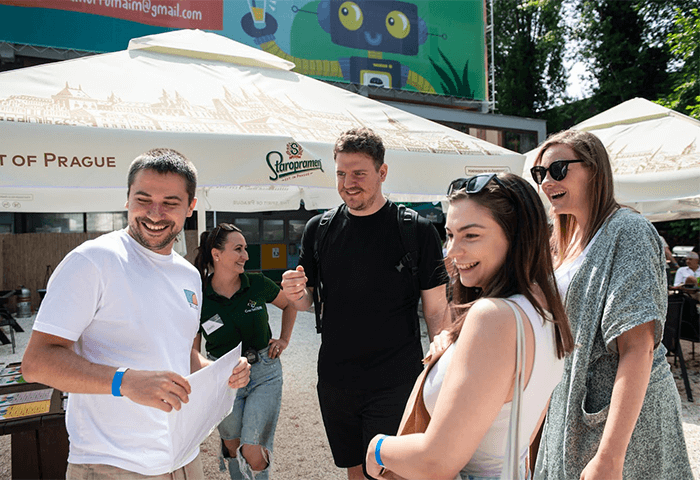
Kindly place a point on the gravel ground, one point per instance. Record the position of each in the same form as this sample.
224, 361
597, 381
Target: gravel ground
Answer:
301, 449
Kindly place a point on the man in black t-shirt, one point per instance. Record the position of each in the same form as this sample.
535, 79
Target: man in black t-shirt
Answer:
370, 351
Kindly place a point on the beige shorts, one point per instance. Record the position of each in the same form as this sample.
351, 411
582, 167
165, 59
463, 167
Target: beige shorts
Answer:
87, 471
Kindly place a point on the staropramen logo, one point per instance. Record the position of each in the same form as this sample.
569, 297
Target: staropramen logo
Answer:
294, 165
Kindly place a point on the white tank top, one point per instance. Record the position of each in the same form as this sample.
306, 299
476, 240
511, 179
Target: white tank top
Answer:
565, 273
546, 373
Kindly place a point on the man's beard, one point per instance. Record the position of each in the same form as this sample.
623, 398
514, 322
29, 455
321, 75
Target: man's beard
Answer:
136, 233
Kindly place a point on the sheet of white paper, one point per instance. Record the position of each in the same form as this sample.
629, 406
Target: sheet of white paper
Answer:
210, 402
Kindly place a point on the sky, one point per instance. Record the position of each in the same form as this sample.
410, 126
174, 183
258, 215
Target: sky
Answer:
578, 86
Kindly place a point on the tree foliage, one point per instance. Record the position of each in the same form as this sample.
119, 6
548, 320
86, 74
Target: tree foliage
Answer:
681, 232
529, 55
621, 51
684, 43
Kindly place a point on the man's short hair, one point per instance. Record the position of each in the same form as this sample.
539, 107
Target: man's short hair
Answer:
361, 140
165, 160
692, 255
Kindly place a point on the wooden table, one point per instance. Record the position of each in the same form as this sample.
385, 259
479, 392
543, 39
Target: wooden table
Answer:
39, 442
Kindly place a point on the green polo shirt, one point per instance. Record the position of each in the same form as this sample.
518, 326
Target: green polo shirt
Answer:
243, 317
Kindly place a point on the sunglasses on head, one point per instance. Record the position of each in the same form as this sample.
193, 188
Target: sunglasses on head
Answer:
473, 184
557, 170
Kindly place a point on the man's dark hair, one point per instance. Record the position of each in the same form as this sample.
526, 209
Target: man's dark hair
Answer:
361, 140
165, 160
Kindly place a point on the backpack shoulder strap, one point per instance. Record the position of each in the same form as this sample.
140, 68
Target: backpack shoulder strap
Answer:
319, 242
408, 233
322, 230
408, 228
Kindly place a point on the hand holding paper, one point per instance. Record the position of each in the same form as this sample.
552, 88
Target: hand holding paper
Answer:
162, 390
241, 374
213, 391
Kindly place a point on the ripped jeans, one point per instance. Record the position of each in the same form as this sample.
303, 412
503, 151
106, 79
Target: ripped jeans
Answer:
254, 416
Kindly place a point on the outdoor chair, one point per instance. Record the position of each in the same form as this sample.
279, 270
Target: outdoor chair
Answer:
690, 322
672, 335
7, 320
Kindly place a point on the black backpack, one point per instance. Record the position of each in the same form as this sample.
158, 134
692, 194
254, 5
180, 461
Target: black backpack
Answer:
408, 228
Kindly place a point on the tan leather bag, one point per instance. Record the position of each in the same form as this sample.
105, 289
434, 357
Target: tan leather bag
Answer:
415, 416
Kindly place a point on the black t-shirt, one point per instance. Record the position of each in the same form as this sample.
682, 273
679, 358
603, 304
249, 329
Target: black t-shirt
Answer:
368, 338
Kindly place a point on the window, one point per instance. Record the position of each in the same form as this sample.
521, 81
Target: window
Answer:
296, 228
273, 230
6, 222
250, 228
55, 223
106, 222
521, 142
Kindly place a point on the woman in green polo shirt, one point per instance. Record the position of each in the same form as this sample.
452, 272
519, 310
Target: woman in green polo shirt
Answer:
234, 310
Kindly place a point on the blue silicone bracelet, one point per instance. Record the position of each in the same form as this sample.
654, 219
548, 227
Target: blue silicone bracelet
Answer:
377, 455
117, 381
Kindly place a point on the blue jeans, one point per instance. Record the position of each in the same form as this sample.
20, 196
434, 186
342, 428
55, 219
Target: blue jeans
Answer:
254, 415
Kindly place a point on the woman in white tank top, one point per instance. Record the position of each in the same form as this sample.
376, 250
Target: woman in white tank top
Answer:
498, 249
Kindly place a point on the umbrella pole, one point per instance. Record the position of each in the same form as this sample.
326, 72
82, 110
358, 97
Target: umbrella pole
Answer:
201, 221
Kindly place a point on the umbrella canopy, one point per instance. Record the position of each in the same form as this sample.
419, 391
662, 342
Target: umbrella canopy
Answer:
260, 135
655, 156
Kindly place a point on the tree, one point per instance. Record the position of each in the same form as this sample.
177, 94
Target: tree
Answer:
681, 232
624, 57
637, 48
684, 43
529, 55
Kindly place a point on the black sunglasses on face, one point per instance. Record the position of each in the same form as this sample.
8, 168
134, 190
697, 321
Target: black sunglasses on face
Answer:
473, 184
557, 170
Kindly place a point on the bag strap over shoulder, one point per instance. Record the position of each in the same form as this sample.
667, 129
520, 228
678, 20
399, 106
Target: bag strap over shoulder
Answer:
511, 460
322, 230
321, 234
408, 230
408, 234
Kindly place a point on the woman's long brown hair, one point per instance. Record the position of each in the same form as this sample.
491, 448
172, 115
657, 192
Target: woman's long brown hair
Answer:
518, 210
601, 195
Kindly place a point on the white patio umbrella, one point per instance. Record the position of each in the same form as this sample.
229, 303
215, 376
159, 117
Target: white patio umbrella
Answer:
655, 155
260, 135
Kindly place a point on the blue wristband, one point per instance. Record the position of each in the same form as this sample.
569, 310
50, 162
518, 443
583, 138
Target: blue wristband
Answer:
117, 381
377, 455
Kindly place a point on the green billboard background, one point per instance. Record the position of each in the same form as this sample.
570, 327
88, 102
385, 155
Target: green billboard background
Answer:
440, 49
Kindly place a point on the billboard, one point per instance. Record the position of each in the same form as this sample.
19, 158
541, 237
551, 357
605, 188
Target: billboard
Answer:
428, 46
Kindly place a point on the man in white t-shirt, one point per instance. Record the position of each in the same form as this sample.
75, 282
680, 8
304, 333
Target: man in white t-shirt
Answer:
691, 269
116, 331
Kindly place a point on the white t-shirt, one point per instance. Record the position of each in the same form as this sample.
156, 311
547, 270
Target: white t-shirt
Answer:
547, 370
683, 273
124, 306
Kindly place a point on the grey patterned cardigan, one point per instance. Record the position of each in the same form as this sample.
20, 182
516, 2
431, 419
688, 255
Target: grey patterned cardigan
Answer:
620, 284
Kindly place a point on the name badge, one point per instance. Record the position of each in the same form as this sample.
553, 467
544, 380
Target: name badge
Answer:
213, 324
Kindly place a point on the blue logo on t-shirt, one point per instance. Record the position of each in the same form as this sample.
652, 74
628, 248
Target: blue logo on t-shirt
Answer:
191, 298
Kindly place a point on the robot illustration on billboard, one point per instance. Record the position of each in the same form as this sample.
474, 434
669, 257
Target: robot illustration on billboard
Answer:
378, 27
